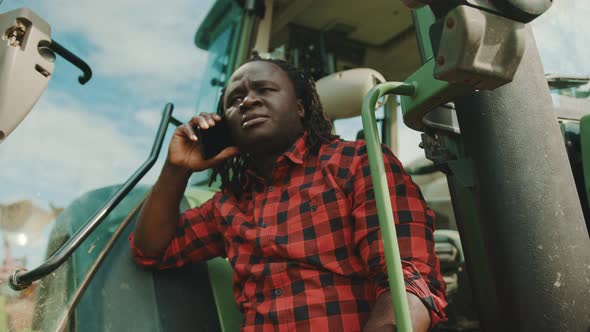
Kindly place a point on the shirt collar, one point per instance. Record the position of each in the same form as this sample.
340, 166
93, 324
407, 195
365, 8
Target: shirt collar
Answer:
295, 154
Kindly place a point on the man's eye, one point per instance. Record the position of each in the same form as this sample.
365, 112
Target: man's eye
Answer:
264, 90
236, 100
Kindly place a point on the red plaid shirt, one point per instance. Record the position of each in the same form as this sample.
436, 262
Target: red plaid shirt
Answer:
306, 248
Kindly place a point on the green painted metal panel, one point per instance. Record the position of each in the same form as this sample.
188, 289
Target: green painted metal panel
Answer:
59, 286
220, 275
585, 147
220, 272
245, 36
197, 195
430, 93
423, 19
224, 13
465, 208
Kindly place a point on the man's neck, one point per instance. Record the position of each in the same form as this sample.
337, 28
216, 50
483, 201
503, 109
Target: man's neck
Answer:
263, 165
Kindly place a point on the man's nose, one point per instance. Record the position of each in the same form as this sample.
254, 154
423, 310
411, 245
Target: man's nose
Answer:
249, 102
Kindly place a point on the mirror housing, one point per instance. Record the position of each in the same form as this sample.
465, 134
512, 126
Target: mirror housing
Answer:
26, 65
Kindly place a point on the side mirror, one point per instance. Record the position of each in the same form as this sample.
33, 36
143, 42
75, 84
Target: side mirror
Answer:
26, 65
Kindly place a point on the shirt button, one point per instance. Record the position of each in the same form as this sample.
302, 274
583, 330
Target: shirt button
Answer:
263, 225
278, 292
271, 188
313, 208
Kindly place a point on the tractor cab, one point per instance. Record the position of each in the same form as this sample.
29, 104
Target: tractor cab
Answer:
458, 93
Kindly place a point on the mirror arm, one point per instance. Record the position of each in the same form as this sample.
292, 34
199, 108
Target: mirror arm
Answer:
73, 59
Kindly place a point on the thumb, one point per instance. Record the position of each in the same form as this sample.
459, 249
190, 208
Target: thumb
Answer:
223, 155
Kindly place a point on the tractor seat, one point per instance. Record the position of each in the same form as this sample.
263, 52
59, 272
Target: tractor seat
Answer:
342, 93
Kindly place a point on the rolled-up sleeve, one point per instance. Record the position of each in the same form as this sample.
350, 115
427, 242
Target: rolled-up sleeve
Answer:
414, 223
197, 238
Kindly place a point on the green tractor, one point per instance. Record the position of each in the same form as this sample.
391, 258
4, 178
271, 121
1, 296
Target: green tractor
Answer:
509, 188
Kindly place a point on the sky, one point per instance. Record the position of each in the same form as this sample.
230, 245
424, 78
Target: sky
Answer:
78, 138
142, 53
82, 137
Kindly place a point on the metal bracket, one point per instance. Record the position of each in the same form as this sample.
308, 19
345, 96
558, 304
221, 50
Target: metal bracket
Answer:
443, 118
430, 93
436, 150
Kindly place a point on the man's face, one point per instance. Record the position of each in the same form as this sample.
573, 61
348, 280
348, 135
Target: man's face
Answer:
262, 110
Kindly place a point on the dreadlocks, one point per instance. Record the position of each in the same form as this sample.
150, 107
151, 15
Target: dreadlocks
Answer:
315, 122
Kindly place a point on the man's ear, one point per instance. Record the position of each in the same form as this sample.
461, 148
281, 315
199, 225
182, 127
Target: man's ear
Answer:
300, 109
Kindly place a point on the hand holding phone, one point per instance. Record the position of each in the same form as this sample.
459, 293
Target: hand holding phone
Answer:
214, 139
198, 149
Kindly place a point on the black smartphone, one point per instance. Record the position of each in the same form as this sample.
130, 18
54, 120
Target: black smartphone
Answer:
214, 139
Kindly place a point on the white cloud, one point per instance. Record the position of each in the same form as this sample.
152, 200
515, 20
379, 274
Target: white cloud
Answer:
141, 40
151, 117
407, 145
64, 147
148, 117
561, 36
60, 148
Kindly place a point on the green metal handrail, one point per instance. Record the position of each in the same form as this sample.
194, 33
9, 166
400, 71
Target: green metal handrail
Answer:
382, 198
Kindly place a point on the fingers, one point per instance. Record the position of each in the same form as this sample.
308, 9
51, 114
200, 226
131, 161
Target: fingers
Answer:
205, 120
188, 131
223, 155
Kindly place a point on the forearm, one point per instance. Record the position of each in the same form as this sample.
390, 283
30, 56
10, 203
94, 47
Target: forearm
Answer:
414, 225
383, 318
157, 221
